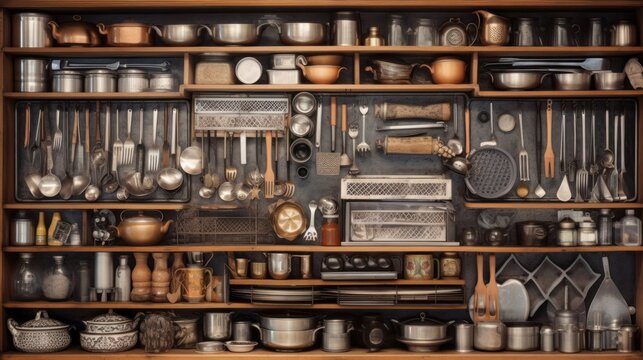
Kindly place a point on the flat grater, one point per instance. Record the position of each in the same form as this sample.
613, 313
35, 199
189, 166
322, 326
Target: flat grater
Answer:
327, 163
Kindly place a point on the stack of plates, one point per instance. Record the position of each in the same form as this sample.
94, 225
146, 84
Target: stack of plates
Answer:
365, 295
277, 295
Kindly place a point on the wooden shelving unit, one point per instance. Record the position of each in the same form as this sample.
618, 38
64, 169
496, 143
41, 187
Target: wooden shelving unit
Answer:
94, 96
339, 88
551, 205
559, 94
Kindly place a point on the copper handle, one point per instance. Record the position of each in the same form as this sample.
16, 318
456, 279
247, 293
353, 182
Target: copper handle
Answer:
27, 124
344, 116
333, 111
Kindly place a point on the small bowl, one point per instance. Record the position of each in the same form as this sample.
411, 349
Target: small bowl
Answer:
210, 347
240, 346
304, 103
301, 125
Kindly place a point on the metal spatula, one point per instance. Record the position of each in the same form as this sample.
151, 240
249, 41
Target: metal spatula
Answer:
327, 163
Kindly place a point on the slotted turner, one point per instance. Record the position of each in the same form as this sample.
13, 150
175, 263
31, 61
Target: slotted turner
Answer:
327, 163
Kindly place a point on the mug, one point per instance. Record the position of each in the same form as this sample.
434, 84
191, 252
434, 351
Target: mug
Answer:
193, 282
421, 267
258, 270
242, 267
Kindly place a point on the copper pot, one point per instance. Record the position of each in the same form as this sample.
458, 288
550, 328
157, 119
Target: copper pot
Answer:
447, 70
75, 33
127, 34
142, 230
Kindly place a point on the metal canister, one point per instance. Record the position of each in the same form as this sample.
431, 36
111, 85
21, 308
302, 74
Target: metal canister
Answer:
67, 81
547, 335
337, 326
241, 331
463, 337
336, 342
132, 80
610, 336
30, 30
248, 70
569, 339
625, 338
23, 230
30, 75
346, 28
100, 80
163, 82
594, 339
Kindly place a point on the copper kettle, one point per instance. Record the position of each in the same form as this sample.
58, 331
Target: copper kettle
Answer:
494, 29
75, 33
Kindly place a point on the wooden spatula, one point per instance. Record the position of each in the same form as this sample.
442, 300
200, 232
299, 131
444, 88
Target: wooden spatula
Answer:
480, 291
492, 310
550, 158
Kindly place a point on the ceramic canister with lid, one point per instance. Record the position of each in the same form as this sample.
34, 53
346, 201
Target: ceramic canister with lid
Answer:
567, 234
23, 230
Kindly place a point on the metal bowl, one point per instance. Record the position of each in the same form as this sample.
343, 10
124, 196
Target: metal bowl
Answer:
289, 221
210, 347
516, 80
302, 33
304, 103
609, 80
301, 125
572, 81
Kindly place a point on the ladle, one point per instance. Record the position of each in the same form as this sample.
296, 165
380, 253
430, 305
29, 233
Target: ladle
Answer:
82, 180
454, 143
191, 159
171, 178
50, 183
607, 159
66, 183
98, 154
92, 193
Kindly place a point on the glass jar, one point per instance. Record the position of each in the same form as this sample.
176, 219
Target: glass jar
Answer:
605, 228
396, 32
424, 34
330, 233
84, 276
630, 229
74, 237
587, 233
450, 266
567, 235
57, 283
214, 69
26, 281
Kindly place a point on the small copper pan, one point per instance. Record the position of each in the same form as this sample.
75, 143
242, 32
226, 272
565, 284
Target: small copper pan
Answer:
127, 34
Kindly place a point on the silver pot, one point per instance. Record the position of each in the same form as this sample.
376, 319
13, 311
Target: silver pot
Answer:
110, 322
179, 34
186, 335
609, 80
100, 80
301, 125
235, 33
302, 33
163, 82
287, 340
422, 329
67, 81
572, 81
624, 34
516, 80
30, 75
523, 336
490, 336
30, 30
40, 335
279, 267
132, 80
217, 325
108, 343
288, 321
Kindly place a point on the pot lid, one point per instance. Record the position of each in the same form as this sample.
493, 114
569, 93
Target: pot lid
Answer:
141, 219
129, 24
42, 322
108, 318
67, 72
132, 72
422, 320
288, 315
567, 223
101, 72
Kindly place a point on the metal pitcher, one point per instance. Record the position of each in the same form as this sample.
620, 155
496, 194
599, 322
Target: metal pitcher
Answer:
595, 32
217, 325
563, 33
527, 32
279, 265
494, 29
624, 34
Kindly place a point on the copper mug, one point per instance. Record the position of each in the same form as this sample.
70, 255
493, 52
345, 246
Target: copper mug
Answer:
194, 280
421, 267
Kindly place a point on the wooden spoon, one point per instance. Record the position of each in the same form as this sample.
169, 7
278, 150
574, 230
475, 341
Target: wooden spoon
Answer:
480, 291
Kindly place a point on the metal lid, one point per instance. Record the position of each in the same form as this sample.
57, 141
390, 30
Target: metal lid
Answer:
587, 224
101, 72
422, 320
248, 70
547, 330
132, 72
108, 318
42, 322
67, 72
567, 223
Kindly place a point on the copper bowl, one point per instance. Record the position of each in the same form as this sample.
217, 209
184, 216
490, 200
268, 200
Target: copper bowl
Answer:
328, 59
288, 221
447, 70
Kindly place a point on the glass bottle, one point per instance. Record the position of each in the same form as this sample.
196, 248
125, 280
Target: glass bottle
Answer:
396, 31
51, 240
41, 230
74, 237
630, 229
83, 281
605, 228
26, 282
123, 279
57, 283
330, 233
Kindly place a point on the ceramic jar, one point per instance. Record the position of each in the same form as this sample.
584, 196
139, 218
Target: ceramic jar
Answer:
40, 335
450, 266
109, 332
567, 234
160, 277
420, 267
141, 279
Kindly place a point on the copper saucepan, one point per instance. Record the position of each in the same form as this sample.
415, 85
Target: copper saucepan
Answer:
447, 70
127, 34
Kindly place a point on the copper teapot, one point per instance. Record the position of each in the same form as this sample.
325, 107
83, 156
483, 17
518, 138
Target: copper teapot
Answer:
494, 30
75, 33
142, 230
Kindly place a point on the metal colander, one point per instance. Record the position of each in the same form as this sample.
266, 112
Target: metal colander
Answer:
492, 173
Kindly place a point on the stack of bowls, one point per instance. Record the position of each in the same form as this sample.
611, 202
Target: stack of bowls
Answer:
109, 332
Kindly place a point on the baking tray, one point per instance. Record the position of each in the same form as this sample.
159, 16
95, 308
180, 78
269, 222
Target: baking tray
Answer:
511, 141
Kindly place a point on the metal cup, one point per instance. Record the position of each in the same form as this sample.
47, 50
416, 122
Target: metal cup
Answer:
595, 33
242, 267
305, 266
526, 33
217, 325
463, 337
241, 330
279, 265
258, 270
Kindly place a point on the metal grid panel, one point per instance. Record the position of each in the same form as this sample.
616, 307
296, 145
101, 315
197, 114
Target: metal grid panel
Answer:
396, 188
391, 217
235, 113
376, 233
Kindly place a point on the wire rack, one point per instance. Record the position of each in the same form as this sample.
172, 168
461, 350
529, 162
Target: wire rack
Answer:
235, 113
199, 226
391, 187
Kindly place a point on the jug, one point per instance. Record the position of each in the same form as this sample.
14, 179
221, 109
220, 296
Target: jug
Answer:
595, 33
346, 29
624, 34
424, 34
564, 34
526, 33
455, 33
494, 29
193, 281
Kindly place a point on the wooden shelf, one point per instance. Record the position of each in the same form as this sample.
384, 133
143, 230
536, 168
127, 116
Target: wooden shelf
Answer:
357, 354
94, 205
320, 282
559, 94
551, 205
321, 249
94, 96
206, 305
337, 88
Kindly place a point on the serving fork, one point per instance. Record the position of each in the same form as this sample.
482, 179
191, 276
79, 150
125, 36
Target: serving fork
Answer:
58, 135
128, 145
523, 156
153, 152
117, 146
311, 232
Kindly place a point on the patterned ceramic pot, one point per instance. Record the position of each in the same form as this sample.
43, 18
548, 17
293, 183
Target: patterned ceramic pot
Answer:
108, 342
40, 335
110, 323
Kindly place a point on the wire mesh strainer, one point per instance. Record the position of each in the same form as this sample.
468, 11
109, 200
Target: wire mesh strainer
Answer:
492, 173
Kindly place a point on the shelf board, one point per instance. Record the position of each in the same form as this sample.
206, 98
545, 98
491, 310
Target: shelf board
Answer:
357, 354
336, 88
322, 249
551, 205
178, 51
320, 282
94, 96
559, 94
210, 305
94, 205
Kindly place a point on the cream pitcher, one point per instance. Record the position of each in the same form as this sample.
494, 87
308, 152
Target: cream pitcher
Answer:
494, 29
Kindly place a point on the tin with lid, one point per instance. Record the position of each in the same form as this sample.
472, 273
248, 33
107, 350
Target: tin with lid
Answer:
67, 81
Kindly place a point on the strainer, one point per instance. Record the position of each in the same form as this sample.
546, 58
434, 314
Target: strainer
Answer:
492, 173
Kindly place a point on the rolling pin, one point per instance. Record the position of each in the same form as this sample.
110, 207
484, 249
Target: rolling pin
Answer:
389, 111
414, 145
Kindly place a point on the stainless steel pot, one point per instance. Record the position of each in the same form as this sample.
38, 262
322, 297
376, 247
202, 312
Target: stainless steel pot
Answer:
235, 33
288, 321
516, 80
572, 81
279, 268
287, 340
609, 80
163, 82
30, 75
624, 34
569, 339
100, 80
490, 336
67, 81
422, 328
132, 80
302, 33
179, 34
217, 325
523, 336
30, 30
336, 342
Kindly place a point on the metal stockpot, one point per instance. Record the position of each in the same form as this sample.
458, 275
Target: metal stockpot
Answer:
523, 336
288, 321
217, 325
422, 329
179, 34
67, 81
100, 80
30, 75
30, 30
490, 336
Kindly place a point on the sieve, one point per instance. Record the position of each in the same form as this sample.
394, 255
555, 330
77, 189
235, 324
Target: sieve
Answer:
492, 173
